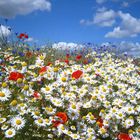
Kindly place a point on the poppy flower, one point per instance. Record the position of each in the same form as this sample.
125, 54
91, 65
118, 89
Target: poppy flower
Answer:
66, 61
78, 57
124, 136
100, 122
42, 70
62, 119
77, 74
15, 75
23, 36
36, 95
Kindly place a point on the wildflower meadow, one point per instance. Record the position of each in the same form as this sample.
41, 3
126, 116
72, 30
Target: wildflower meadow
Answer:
46, 95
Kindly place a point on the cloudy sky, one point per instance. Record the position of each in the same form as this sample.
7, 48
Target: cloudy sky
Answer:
73, 20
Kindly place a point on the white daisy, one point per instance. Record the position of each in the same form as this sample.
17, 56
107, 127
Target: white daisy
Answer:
128, 123
47, 89
18, 122
2, 120
10, 133
40, 122
5, 94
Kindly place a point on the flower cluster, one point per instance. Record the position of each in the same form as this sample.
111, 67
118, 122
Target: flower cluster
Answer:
70, 100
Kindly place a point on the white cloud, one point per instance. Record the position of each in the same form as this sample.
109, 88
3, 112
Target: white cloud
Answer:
30, 39
11, 8
4, 31
67, 46
129, 27
103, 17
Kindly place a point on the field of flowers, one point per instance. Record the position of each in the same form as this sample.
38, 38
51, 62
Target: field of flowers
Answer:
45, 95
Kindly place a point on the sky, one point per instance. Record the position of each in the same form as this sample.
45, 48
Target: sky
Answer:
78, 21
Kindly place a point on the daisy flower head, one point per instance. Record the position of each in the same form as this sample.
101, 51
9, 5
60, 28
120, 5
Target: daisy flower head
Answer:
18, 122
57, 102
2, 120
128, 123
5, 94
47, 89
40, 122
10, 133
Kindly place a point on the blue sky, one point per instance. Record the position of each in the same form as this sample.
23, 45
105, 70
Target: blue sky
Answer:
77, 21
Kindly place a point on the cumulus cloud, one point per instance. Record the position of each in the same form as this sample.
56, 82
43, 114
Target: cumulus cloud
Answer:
30, 39
67, 46
11, 8
129, 27
4, 31
103, 17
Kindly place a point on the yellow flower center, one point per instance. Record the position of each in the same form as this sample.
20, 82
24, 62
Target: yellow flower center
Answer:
62, 128
104, 90
72, 114
22, 104
41, 57
24, 64
1, 119
37, 113
47, 88
92, 117
103, 111
113, 110
4, 85
129, 109
26, 87
14, 103
73, 106
63, 79
19, 80
2, 94
10, 132
55, 69
120, 115
40, 120
103, 130
47, 120
18, 122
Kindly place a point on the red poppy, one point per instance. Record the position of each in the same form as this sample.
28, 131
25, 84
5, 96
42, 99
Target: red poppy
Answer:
62, 119
23, 36
42, 70
15, 75
77, 74
66, 61
100, 122
124, 136
78, 57
36, 95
